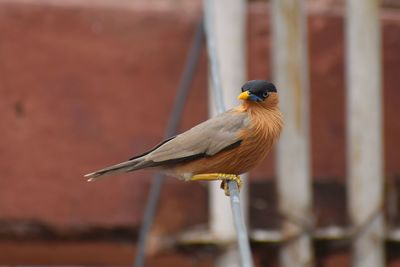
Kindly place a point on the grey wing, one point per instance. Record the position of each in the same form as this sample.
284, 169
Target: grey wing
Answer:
206, 139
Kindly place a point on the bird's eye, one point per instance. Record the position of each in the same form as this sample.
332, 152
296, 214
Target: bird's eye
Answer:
265, 94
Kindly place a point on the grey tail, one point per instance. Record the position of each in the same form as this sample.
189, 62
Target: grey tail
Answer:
127, 166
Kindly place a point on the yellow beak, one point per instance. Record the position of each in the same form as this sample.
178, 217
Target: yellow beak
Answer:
244, 96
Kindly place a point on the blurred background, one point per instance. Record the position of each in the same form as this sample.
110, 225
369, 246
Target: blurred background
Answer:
85, 84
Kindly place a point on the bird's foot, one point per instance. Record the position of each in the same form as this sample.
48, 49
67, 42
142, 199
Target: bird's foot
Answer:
230, 177
219, 176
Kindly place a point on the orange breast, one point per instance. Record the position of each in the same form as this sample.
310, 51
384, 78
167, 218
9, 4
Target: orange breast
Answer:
264, 129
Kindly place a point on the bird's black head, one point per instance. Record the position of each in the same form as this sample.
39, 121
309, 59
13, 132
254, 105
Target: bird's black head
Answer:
257, 90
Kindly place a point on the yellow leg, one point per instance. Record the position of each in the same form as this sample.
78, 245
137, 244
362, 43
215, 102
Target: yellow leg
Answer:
219, 176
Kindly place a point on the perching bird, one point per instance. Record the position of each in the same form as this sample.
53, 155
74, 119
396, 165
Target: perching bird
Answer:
220, 148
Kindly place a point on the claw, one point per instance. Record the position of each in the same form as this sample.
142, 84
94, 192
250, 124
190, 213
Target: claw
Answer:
230, 177
219, 176
224, 186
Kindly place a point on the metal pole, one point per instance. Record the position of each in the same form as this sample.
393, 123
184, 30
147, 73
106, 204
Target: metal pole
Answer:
225, 28
290, 72
364, 131
243, 239
228, 48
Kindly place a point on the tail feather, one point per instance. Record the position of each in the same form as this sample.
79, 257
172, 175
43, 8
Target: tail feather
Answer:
126, 166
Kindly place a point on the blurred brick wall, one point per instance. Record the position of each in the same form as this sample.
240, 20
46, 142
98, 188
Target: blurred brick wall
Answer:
82, 88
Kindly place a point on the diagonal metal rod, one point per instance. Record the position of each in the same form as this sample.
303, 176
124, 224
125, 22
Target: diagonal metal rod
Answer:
172, 128
242, 236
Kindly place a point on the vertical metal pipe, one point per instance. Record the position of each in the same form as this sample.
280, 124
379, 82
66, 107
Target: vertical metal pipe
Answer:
290, 73
364, 131
229, 26
225, 27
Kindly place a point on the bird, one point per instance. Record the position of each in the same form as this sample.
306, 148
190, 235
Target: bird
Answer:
220, 148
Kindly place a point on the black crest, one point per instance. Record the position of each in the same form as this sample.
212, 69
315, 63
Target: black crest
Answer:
259, 88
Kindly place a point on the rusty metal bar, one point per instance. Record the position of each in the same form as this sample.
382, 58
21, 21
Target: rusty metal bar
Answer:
364, 131
290, 72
